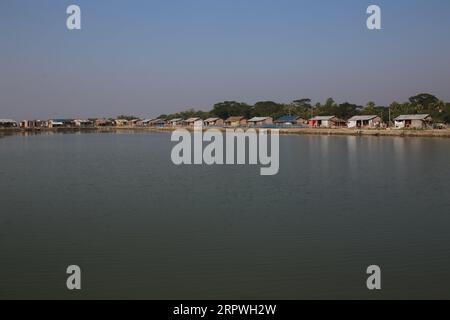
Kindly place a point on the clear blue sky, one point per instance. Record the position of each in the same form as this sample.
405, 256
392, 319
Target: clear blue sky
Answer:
148, 57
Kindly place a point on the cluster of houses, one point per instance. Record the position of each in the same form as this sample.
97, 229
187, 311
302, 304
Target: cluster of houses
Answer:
417, 121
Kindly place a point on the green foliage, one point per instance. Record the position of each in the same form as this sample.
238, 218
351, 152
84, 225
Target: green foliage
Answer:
421, 103
227, 109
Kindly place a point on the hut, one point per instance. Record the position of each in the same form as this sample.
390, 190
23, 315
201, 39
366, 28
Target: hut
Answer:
103, 123
287, 121
214, 122
327, 122
83, 123
134, 122
144, 123
158, 123
30, 124
121, 123
192, 121
60, 123
413, 121
260, 121
236, 121
176, 122
371, 121
8, 123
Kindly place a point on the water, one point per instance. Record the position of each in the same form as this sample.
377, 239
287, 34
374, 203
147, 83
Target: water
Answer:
140, 227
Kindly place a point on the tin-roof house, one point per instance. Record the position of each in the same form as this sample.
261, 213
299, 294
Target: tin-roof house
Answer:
8, 123
327, 122
121, 122
236, 121
81, 123
287, 121
158, 123
260, 121
413, 121
60, 123
192, 121
176, 122
214, 122
371, 121
103, 123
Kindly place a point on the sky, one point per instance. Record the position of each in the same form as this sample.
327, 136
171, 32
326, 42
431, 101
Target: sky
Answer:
152, 57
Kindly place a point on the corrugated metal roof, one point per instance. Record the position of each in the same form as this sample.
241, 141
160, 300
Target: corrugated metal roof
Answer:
258, 119
362, 118
212, 119
323, 118
235, 118
412, 117
193, 119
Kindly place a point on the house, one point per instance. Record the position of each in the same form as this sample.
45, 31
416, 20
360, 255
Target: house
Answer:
8, 123
364, 122
176, 122
288, 121
159, 123
134, 122
192, 121
413, 121
103, 123
83, 123
121, 123
236, 121
30, 124
60, 123
260, 121
214, 122
327, 122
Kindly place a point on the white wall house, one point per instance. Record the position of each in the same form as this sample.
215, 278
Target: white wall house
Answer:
413, 121
364, 122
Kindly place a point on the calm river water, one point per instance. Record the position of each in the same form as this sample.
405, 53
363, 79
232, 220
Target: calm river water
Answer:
141, 227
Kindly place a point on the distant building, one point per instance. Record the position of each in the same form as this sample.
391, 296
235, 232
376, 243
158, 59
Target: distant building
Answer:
364, 122
413, 121
236, 121
192, 121
8, 123
134, 122
290, 121
260, 121
327, 122
121, 123
176, 122
214, 122
60, 123
103, 123
144, 123
31, 124
159, 123
84, 123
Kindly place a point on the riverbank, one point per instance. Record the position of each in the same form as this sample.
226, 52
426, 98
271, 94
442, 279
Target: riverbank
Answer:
442, 133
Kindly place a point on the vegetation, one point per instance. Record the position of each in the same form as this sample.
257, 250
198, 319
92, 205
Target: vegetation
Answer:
421, 103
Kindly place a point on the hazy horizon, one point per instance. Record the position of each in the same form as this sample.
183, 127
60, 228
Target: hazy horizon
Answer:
147, 58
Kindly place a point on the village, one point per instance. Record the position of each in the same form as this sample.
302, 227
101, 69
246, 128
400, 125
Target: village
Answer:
374, 122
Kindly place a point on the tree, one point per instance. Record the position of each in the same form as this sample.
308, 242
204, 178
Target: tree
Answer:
425, 100
268, 109
227, 109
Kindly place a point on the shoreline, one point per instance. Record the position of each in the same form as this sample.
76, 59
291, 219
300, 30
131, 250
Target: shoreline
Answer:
432, 133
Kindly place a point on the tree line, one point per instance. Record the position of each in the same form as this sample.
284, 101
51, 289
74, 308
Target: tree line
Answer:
418, 104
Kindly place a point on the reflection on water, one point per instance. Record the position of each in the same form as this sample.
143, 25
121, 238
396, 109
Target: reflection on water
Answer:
141, 227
